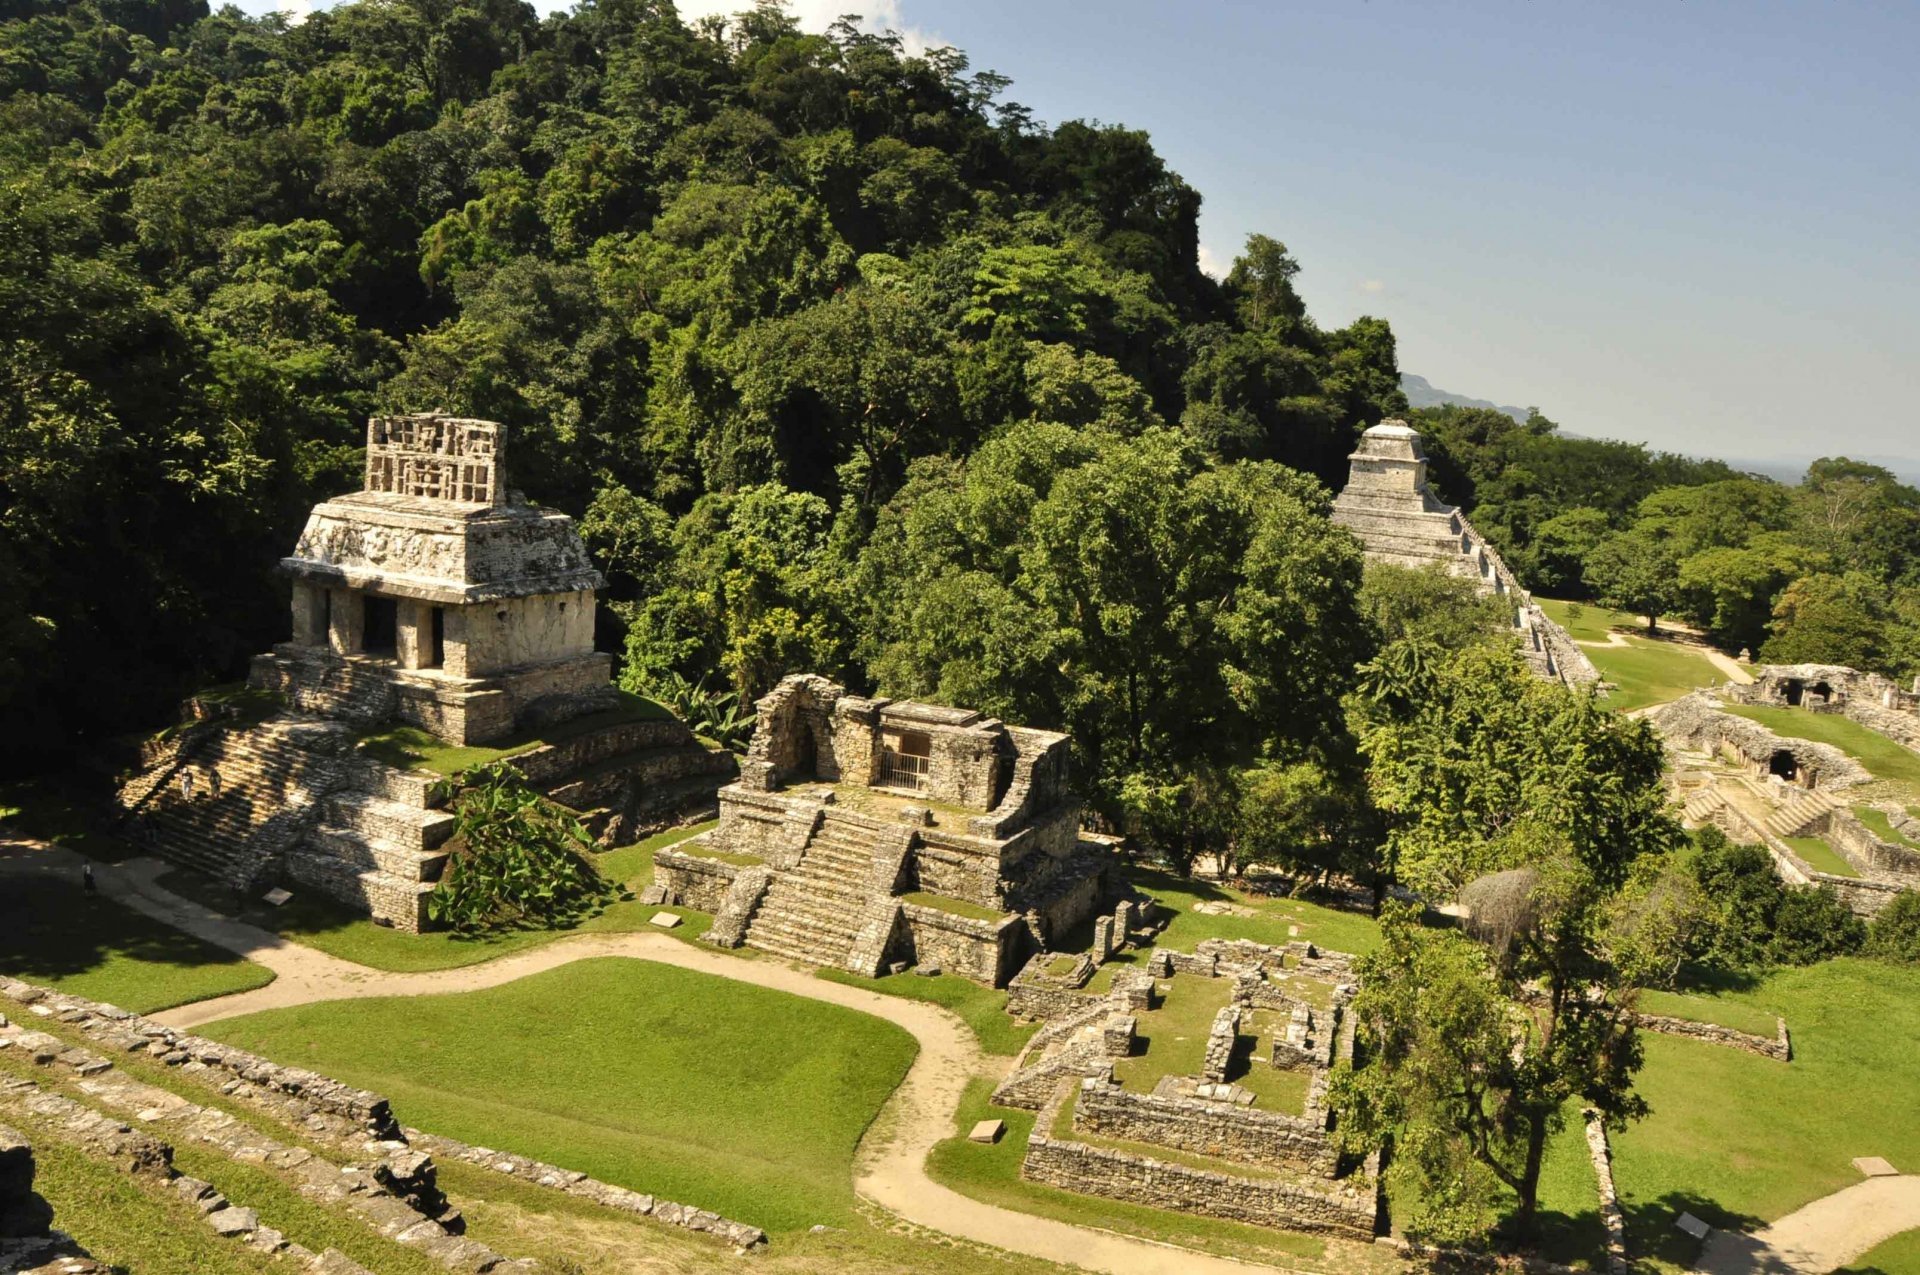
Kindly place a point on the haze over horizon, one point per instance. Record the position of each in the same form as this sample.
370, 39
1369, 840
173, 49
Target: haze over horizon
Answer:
1688, 226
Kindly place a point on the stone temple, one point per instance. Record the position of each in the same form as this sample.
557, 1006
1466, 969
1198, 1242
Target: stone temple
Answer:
431, 599
868, 834
1389, 506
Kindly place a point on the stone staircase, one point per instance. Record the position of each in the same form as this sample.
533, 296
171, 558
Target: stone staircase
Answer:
255, 794
813, 911
1798, 811
380, 841
328, 685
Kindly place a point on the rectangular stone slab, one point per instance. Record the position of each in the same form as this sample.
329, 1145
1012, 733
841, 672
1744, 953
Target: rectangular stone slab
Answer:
665, 920
987, 1131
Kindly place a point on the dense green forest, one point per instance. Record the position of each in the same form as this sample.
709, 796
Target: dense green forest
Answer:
1826, 571
749, 300
844, 361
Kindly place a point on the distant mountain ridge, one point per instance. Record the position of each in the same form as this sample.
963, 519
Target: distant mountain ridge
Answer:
1421, 392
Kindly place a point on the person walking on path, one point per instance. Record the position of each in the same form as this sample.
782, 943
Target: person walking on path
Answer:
87, 885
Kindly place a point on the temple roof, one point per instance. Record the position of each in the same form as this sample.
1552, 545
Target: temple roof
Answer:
399, 538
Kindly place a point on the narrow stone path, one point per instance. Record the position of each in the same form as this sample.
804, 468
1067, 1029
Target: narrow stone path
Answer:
1821, 1237
891, 1164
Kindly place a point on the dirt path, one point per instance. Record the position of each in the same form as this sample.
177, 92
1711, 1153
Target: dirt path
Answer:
1821, 1237
890, 1167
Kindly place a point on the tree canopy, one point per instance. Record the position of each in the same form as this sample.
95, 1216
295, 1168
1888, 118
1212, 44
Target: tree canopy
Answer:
746, 296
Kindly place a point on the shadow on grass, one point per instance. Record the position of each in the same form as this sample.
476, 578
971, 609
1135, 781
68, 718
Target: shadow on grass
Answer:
74, 811
50, 929
1708, 978
1652, 1233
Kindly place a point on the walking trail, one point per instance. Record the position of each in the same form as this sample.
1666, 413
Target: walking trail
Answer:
1821, 1237
890, 1169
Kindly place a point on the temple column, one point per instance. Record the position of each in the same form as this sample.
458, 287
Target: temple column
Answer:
346, 621
453, 642
414, 633
309, 614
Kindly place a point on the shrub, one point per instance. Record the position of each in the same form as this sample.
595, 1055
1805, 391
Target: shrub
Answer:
715, 714
518, 861
1756, 919
1895, 933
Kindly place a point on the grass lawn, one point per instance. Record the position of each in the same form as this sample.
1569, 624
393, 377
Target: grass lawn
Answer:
411, 748
1172, 1039
1820, 856
992, 1173
44, 811
1331, 928
53, 935
1886, 759
320, 923
1647, 672
1897, 1256
700, 1089
1882, 827
1593, 622
1739, 1140
983, 1008
1710, 1009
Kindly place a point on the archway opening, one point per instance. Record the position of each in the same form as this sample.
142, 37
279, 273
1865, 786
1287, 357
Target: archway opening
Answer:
1795, 692
1783, 765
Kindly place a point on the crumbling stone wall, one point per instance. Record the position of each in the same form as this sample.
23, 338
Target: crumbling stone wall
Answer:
793, 739
1207, 1128
1697, 722
1778, 1047
1337, 1209
985, 951
1857, 844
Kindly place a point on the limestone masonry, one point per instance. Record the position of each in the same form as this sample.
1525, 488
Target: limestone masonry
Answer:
1772, 790
1388, 505
431, 598
870, 833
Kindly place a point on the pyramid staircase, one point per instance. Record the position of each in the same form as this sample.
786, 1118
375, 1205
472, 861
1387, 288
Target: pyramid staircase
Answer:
380, 839
813, 911
255, 792
1798, 811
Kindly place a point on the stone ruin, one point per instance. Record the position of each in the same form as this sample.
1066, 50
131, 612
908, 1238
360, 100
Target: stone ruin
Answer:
1389, 506
869, 834
1768, 789
1202, 1143
435, 599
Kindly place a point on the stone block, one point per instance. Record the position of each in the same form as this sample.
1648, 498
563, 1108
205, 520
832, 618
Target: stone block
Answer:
1875, 1167
234, 1220
277, 896
654, 895
987, 1131
665, 920
1692, 1226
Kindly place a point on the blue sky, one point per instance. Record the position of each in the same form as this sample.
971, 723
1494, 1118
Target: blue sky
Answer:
1692, 224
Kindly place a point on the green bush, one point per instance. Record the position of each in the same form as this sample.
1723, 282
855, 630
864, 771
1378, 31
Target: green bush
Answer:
518, 861
717, 715
1757, 920
1895, 933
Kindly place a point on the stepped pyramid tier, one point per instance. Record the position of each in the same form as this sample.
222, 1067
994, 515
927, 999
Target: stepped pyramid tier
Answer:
1389, 506
866, 833
429, 599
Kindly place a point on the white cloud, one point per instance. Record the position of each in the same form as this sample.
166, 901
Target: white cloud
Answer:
818, 15
1372, 285
1210, 263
